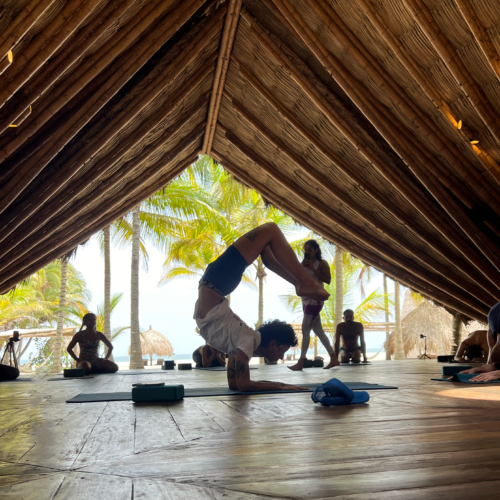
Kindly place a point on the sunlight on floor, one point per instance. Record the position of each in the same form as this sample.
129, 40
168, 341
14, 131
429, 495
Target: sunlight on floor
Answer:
489, 393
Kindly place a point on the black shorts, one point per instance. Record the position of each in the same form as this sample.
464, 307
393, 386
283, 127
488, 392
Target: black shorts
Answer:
225, 273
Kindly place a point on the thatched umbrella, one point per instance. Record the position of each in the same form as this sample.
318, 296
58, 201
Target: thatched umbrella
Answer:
432, 321
153, 342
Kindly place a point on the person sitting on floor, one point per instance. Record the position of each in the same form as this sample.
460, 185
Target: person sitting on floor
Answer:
208, 357
88, 341
474, 348
319, 269
225, 331
491, 370
349, 331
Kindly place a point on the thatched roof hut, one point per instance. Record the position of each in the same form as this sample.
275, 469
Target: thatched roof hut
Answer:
376, 124
436, 324
153, 342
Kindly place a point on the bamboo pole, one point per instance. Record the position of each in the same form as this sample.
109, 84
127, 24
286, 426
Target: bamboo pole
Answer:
52, 45
23, 22
100, 222
226, 47
480, 34
78, 80
38, 232
314, 177
442, 46
148, 46
347, 226
42, 81
405, 105
411, 194
118, 66
469, 252
327, 231
178, 65
388, 36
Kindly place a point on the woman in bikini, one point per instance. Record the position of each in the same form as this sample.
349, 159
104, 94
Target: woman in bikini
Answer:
88, 340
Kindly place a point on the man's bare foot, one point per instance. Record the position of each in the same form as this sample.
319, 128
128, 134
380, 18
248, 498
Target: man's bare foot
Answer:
333, 362
313, 290
297, 367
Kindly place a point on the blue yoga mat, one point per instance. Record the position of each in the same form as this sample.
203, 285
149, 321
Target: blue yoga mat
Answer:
464, 378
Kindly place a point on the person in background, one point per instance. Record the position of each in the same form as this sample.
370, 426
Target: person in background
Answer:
88, 339
474, 348
350, 331
319, 269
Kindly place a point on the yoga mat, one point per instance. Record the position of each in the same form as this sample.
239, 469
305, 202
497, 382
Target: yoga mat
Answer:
217, 368
464, 378
216, 391
354, 364
19, 379
57, 379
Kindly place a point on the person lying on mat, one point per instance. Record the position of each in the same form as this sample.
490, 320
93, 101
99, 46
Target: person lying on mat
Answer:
88, 340
349, 331
224, 330
474, 348
491, 370
319, 269
208, 357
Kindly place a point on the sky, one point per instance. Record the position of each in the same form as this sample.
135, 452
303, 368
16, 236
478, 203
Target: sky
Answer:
169, 309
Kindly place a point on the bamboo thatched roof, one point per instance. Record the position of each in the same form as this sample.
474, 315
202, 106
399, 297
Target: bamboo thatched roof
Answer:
357, 117
153, 342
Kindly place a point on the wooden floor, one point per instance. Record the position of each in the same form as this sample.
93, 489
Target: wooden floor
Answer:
426, 440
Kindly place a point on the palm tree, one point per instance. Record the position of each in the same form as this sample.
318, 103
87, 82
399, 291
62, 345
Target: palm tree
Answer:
386, 308
339, 289
135, 340
107, 284
456, 333
60, 315
399, 351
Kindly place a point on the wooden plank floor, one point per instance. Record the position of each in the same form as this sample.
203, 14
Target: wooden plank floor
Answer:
427, 440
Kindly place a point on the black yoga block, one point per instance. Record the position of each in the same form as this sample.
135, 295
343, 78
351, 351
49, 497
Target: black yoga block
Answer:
308, 363
318, 363
157, 393
74, 372
168, 365
451, 370
184, 366
445, 359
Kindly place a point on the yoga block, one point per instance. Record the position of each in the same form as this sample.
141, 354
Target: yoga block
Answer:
308, 363
184, 366
157, 393
451, 370
168, 365
74, 372
318, 363
445, 359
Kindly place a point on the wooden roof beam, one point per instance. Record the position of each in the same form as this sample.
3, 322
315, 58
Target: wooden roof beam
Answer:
226, 47
404, 103
37, 228
57, 182
22, 24
371, 259
11, 84
465, 248
425, 260
333, 216
450, 205
93, 222
42, 81
145, 49
374, 111
442, 46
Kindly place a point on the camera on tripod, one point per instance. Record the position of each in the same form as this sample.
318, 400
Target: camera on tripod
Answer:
15, 337
9, 357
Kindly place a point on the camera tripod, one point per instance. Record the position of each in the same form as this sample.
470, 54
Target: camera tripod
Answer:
424, 355
9, 357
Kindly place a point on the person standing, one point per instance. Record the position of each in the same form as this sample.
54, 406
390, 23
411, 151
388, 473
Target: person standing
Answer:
319, 269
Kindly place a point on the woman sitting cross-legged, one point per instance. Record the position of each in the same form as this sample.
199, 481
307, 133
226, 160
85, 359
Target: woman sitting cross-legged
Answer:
88, 340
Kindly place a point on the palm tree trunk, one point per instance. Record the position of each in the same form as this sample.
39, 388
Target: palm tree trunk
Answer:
386, 307
107, 285
456, 333
56, 368
135, 339
339, 287
261, 274
399, 349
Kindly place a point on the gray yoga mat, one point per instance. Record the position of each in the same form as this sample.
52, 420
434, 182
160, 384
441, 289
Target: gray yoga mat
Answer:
354, 364
218, 368
57, 379
19, 379
464, 378
216, 391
